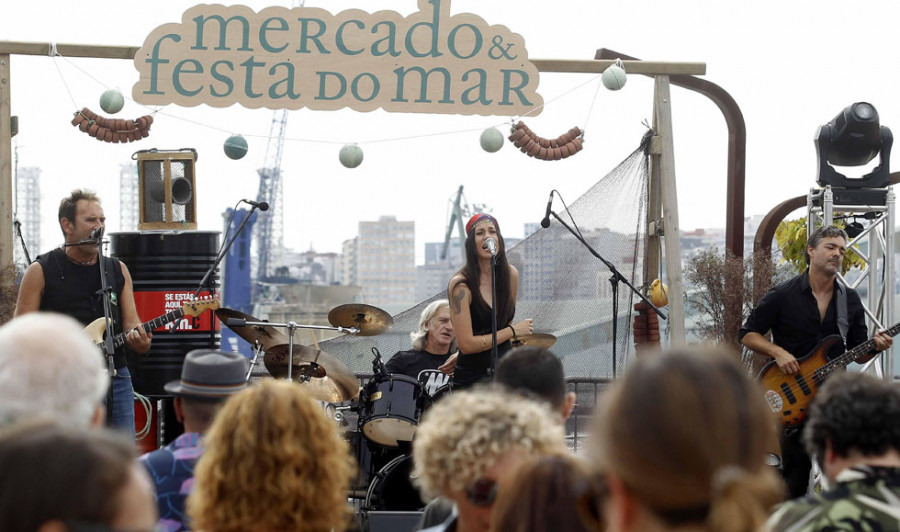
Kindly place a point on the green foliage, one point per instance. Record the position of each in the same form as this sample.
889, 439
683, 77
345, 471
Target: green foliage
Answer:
791, 238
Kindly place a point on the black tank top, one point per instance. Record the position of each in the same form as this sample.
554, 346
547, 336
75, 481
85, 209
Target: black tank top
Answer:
473, 367
71, 289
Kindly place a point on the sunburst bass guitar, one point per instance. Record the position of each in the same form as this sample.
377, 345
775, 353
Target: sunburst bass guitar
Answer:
97, 328
789, 395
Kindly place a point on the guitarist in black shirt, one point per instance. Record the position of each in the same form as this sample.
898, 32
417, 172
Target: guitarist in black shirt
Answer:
800, 313
67, 279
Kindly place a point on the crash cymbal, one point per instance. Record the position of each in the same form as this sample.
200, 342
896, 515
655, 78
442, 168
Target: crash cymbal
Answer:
338, 382
325, 389
370, 321
536, 340
267, 335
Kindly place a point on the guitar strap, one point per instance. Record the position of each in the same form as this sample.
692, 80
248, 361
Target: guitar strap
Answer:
842, 322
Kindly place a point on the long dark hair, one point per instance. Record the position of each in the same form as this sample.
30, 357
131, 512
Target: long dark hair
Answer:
471, 272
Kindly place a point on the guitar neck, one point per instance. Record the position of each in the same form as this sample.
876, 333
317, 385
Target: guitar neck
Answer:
148, 326
854, 354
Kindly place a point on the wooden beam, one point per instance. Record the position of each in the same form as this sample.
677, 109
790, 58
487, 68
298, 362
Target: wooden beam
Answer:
68, 50
584, 66
596, 66
662, 124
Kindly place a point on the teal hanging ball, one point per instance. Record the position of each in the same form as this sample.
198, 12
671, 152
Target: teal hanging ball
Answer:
351, 155
235, 147
614, 77
491, 140
112, 101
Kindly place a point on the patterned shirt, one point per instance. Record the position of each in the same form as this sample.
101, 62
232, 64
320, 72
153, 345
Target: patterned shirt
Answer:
865, 499
172, 471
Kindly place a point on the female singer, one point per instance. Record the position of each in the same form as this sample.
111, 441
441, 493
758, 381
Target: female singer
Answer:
471, 300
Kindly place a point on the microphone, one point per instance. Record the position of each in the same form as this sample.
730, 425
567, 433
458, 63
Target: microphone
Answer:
491, 245
261, 205
97, 234
545, 223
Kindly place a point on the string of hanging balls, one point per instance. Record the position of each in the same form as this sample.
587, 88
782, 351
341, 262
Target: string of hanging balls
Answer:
350, 155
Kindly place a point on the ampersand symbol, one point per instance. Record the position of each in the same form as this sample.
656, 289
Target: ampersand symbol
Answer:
498, 43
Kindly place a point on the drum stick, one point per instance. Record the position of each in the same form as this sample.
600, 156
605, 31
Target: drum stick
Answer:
313, 335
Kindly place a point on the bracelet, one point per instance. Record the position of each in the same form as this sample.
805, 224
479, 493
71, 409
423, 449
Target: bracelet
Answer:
483, 341
515, 336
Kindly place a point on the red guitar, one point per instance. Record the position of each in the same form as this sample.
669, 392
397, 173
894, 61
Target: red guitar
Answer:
789, 395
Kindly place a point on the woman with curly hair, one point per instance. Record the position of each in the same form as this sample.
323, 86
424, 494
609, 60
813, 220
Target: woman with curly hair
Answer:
682, 441
471, 441
272, 462
471, 301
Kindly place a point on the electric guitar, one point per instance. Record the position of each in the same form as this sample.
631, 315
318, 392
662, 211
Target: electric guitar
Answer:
97, 328
789, 395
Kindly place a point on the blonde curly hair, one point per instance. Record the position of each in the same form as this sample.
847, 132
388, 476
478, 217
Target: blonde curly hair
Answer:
272, 461
462, 436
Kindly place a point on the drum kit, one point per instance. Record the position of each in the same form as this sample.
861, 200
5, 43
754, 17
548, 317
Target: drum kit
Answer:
389, 406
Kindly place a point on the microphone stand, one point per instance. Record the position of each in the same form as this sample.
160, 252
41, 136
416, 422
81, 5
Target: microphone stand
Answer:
614, 280
493, 315
104, 292
18, 225
207, 278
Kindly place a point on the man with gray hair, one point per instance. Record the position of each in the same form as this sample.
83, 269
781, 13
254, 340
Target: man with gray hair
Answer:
430, 360
50, 368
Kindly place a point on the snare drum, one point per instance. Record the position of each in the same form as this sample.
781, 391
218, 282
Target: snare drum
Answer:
390, 409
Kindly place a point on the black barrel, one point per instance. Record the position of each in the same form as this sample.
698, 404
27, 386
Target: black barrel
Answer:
166, 268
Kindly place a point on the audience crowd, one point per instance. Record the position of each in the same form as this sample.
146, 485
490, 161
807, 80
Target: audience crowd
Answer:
678, 443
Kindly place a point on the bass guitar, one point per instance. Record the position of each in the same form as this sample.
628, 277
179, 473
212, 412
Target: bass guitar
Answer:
97, 328
789, 395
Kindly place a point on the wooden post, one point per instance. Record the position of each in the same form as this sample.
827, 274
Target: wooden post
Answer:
7, 267
662, 124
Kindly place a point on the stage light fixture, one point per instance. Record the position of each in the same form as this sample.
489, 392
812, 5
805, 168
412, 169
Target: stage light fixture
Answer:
854, 229
853, 138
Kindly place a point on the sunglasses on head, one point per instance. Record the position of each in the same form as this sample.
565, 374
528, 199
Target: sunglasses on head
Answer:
482, 492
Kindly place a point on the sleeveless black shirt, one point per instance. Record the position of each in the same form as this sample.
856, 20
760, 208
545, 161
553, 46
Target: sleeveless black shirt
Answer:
473, 367
71, 289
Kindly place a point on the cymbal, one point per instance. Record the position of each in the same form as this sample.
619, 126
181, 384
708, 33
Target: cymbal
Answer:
325, 389
370, 321
536, 340
335, 381
267, 335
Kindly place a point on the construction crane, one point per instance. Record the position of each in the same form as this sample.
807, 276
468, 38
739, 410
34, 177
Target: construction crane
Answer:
459, 212
269, 230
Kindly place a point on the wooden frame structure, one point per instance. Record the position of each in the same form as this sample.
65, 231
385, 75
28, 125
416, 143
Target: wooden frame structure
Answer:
663, 162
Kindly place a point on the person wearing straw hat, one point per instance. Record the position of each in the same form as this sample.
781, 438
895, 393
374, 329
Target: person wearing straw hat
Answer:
208, 377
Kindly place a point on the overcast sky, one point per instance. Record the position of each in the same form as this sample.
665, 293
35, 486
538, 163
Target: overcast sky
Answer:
791, 66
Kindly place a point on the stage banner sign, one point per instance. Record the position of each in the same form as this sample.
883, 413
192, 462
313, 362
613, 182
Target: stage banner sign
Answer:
305, 57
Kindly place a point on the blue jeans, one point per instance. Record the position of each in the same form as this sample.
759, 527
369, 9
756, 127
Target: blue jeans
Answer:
123, 403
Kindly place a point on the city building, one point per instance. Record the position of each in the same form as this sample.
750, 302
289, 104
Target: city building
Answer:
385, 263
129, 197
28, 214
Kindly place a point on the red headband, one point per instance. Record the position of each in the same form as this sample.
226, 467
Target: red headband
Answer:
482, 216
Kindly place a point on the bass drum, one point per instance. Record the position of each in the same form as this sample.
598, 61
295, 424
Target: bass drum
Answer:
390, 408
392, 488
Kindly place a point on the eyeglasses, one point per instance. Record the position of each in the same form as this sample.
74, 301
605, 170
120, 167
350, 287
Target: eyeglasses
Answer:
482, 492
85, 526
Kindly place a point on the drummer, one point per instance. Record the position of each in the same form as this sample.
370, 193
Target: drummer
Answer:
433, 343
